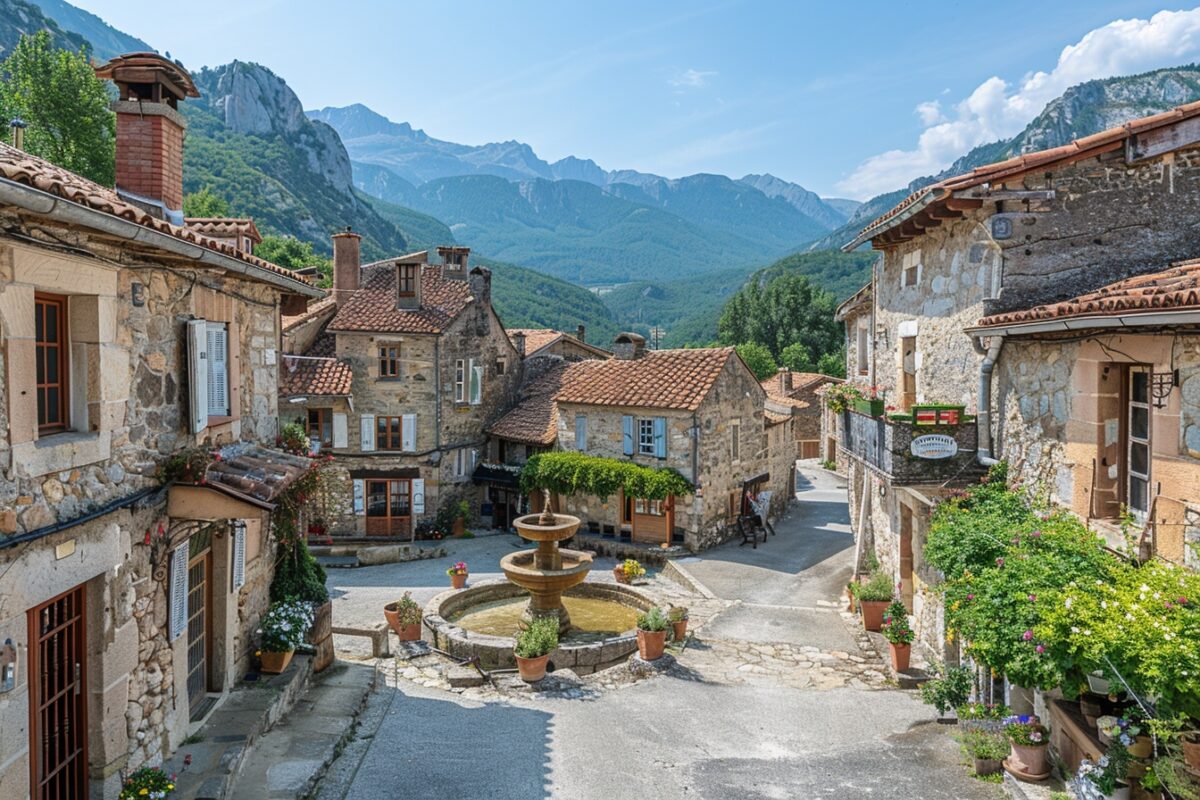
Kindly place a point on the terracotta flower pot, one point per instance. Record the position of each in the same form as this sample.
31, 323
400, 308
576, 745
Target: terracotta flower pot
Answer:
275, 663
679, 630
619, 574
901, 653
407, 633
1029, 759
532, 669
1191, 753
987, 766
1142, 747
872, 614
459, 526
458, 580
651, 644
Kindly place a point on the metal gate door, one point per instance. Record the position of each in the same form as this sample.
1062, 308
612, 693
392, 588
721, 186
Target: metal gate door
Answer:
58, 711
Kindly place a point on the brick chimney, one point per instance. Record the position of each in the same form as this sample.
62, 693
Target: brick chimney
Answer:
785, 380
455, 262
480, 282
518, 339
629, 346
150, 131
581, 334
346, 266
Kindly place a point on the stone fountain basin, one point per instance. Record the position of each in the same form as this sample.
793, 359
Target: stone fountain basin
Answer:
564, 527
519, 568
496, 652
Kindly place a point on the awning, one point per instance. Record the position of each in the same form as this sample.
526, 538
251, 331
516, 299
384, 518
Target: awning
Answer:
497, 475
241, 483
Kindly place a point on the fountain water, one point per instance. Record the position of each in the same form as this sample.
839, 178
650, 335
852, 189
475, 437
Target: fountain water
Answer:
549, 570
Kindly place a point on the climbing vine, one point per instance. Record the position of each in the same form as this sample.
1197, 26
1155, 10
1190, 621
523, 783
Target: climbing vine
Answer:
570, 473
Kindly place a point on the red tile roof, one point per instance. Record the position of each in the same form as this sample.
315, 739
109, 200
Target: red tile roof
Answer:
315, 309
373, 306
253, 472
802, 383
1175, 289
1086, 147
224, 227
21, 167
537, 339
534, 419
317, 372
677, 379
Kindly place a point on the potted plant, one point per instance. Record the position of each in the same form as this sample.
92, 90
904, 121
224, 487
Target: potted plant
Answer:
628, 571
534, 646
283, 628
949, 690
652, 633
458, 575
679, 621
147, 782
983, 716
453, 517
1108, 776
873, 404
899, 633
1029, 739
874, 597
840, 397
987, 750
404, 616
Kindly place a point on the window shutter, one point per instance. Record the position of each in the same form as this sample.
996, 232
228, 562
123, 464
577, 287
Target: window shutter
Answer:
341, 434
581, 433
474, 460
197, 343
408, 433
418, 496
368, 433
476, 384
239, 555
179, 590
660, 437
360, 490
627, 434
218, 370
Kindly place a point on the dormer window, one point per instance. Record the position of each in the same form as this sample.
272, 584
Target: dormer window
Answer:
407, 280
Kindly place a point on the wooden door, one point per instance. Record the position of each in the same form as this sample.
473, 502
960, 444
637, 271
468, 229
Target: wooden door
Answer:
389, 507
906, 556
908, 372
199, 626
653, 520
58, 698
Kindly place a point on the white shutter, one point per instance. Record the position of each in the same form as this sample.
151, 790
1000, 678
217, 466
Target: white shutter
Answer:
239, 555
418, 495
179, 590
476, 384
474, 460
368, 433
197, 345
408, 433
341, 434
360, 490
218, 370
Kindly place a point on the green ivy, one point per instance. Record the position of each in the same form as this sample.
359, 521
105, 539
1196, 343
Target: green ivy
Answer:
571, 473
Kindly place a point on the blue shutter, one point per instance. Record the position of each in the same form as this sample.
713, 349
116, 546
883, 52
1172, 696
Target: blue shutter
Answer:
660, 437
627, 430
580, 432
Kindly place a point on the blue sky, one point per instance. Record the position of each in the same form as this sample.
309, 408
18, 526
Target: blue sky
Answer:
847, 98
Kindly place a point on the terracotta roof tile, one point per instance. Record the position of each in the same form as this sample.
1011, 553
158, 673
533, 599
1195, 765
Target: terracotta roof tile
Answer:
534, 419
536, 338
1175, 289
21, 167
373, 306
775, 419
315, 309
678, 379
802, 383
224, 227
317, 372
253, 471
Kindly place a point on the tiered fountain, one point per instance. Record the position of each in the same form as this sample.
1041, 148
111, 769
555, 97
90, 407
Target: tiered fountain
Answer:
549, 570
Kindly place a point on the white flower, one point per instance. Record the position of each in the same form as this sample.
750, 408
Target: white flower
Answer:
1104, 604
1144, 588
1074, 629
1070, 601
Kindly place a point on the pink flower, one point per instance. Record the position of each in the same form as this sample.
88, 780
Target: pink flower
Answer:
1027, 635
1035, 534
970, 597
1182, 601
1033, 598
999, 562
1041, 648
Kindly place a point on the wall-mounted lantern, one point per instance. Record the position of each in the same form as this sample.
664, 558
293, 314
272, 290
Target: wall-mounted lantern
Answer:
8, 666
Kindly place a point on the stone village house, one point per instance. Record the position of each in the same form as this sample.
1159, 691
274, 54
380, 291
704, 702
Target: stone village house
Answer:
397, 373
125, 337
700, 412
798, 391
1039, 293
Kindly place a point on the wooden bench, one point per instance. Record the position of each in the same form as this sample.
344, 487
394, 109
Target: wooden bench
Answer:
750, 526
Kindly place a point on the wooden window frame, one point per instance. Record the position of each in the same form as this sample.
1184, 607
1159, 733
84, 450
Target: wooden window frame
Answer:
460, 380
910, 269
1128, 440
406, 280
389, 360
645, 441
385, 429
862, 349
324, 420
62, 344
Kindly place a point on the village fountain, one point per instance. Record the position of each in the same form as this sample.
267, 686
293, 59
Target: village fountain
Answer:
549, 570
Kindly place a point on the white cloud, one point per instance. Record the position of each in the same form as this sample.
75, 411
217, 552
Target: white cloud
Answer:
997, 109
691, 78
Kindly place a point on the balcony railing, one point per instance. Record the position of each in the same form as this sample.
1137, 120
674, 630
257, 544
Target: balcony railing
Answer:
940, 452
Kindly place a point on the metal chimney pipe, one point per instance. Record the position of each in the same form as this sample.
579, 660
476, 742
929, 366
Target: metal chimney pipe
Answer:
18, 132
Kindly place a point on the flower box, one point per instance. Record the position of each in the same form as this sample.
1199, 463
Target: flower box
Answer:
872, 407
938, 414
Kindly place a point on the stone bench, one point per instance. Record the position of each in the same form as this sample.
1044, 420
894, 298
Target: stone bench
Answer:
377, 632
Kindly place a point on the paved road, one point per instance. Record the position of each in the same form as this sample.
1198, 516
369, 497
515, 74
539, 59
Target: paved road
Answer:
675, 738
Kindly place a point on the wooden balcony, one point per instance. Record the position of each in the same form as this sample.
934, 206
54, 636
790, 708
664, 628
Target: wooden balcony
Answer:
941, 453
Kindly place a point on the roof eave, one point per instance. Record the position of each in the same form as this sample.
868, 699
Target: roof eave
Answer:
1082, 323
929, 196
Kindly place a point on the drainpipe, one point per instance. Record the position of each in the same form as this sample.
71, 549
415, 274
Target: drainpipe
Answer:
983, 454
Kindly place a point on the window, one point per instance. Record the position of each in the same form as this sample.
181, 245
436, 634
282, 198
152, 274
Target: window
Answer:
389, 507
407, 277
580, 432
1137, 455
861, 355
646, 437
218, 369
320, 426
476, 377
653, 508
388, 433
465, 459
460, 381
501, 366
735, 445
50, 323
911, 265
389, 361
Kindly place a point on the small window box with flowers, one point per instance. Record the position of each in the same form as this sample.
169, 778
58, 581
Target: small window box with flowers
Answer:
147, 783
284, 628
872, 403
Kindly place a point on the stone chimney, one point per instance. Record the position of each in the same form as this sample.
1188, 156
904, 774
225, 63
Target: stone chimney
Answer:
480, 282
629, 346
581, 334
455, 262
785, 380
346, 266
518, 340
150, 131
409, 281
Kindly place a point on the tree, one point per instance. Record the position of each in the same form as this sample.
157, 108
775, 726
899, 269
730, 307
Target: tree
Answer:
833, 364
205, 203
758, 359
797, 358
290, 252
782, 311
64, 107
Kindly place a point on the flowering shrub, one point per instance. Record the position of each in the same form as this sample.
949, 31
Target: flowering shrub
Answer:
1025, 731
147, 783
1098, 781
632, 569
460, 568
841, 396
285, 625
897, 630
989, 711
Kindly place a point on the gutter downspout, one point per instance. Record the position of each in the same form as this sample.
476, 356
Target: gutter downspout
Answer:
983, 453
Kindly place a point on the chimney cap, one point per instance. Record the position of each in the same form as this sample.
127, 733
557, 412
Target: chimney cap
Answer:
346, 234
150, 68
17, 122
628, 337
